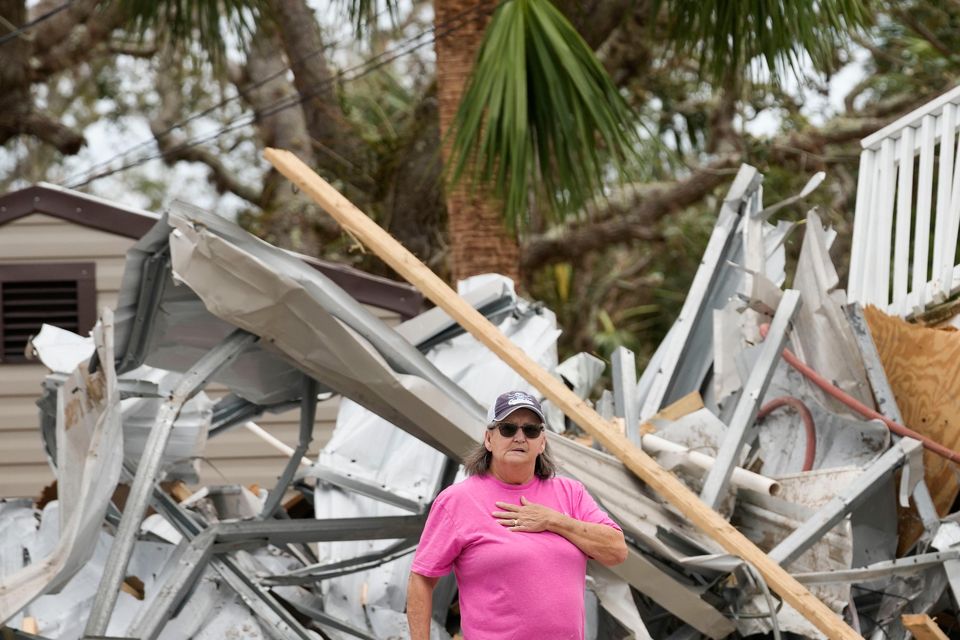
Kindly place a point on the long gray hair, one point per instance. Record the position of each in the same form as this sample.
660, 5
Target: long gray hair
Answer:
477, 461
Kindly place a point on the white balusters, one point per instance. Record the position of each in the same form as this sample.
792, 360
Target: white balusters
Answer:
901, 248
886, 269
921, 239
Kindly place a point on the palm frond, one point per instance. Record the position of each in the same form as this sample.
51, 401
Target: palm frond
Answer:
540, 115
203, 21
364, 14
727, 36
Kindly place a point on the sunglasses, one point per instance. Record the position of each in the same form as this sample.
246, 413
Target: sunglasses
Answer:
508, 430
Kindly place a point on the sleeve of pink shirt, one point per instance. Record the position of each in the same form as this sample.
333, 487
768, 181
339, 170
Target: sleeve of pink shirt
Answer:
440, 544
587, 510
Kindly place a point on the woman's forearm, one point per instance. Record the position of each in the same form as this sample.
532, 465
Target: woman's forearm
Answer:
420, 605
599, 541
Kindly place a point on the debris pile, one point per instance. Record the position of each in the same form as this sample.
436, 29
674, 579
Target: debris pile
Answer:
824, 432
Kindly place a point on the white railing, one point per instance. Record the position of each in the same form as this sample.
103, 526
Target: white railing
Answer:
908, 197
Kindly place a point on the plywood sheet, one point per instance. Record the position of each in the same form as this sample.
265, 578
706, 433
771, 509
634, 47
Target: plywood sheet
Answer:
923, 368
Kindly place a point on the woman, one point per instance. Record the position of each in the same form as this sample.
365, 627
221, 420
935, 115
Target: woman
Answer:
516, 537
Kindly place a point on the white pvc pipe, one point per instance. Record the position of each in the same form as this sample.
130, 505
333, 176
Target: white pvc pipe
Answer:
274, 442
741, 478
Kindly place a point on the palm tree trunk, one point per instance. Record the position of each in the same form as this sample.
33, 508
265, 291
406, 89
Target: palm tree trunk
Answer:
479, 240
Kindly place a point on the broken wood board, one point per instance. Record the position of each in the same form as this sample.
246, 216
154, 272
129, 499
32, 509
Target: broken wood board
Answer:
663, 482
674, 411
922, 626
923, 369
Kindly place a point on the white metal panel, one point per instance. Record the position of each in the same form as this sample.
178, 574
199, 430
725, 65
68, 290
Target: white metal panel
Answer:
901, 251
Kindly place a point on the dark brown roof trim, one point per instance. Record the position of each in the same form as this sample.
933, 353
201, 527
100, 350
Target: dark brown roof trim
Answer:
95, 213
376, 291
75, 207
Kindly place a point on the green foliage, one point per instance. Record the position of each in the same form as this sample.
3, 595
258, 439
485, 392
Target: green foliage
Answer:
186, 21
540, 115
727, 36
363, 14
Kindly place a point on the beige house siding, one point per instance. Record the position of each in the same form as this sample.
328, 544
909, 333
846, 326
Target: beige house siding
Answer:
40, 238
234, 457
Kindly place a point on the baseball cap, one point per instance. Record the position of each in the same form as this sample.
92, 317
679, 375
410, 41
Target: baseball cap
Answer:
507, 403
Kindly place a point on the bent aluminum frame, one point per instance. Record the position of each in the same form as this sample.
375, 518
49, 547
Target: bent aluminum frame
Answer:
845, 501
147, 470
200, 546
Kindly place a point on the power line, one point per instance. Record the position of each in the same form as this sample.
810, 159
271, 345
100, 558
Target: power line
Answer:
364, 68
28, 25
199, 114
182, 123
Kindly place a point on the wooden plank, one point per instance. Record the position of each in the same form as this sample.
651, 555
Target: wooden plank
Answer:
923, 369
674, 411
922, 626
663, 482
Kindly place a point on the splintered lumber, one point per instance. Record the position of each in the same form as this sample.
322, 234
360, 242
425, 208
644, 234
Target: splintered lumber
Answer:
674, 411
922, 626
923, 369
356, 223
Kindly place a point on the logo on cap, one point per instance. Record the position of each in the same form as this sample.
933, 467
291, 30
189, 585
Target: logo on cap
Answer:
519, 397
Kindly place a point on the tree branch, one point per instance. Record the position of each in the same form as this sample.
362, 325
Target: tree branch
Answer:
133, 50
305, 48
55, 133
54, 31
63, 46
925, 33
222, 178
627, 221
174, 147
288, 218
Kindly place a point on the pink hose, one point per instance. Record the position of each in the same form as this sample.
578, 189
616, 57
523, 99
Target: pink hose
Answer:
797, 405
829, 388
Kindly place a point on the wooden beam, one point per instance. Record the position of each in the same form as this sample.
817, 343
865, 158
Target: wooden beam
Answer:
922, 626
356, 223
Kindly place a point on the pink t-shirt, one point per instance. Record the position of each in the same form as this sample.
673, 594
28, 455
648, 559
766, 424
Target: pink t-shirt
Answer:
513, 585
